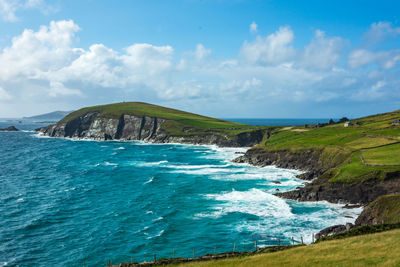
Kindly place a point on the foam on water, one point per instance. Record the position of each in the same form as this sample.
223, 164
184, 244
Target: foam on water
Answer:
254, 202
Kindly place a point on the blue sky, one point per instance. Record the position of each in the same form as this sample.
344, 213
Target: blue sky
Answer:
221, 58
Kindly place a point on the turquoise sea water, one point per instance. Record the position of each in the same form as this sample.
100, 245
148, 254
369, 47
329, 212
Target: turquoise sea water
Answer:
66, 202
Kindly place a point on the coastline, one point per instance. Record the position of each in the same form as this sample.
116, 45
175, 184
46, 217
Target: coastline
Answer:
236, 153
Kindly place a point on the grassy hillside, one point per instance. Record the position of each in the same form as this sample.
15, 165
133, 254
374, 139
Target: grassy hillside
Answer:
385, 209
177, 119
369, 147
379, 249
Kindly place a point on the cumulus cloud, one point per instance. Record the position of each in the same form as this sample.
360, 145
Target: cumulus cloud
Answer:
386, 59
253, 27
47, 66
273, 49
201, 52
322, 52
381, 31
8, 8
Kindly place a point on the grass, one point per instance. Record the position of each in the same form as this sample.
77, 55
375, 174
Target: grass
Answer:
180, 123
385, 209
379, 249
386, 155
367, 149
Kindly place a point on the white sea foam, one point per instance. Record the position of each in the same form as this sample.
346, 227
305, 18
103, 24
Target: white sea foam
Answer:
20, 199
120, 148
149, 181
253, 201
110, 164
149, 164
157, 235
158, 219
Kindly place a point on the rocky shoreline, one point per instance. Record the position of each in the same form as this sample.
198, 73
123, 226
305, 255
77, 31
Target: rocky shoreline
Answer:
150, 129
353, 194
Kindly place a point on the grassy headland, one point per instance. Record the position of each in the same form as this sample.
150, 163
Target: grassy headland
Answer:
179, 123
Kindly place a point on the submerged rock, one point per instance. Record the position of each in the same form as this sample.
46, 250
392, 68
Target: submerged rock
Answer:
9, 129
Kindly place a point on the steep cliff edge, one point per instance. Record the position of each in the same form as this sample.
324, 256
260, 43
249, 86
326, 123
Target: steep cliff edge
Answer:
352, 164
141, 121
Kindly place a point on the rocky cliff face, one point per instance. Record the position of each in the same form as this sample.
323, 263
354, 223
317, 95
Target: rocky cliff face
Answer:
321, 189
131, 127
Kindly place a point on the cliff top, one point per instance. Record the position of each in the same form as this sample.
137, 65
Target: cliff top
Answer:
177, 119
366, 148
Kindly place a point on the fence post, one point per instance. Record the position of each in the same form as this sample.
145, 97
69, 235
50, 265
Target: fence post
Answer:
313, 237
302, 241
256, 244
155, 258
234, 247
215, 250
194, 253
131, 259
292, 240
174, 253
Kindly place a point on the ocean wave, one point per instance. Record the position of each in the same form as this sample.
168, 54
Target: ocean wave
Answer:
149, 181
156, 235
149, 164
254, 202
110, 164
191, 167
119, 148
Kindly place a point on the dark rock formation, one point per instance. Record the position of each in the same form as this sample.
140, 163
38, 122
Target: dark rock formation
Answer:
321, 189
333, 230
9, 129
131, 127
357, 193
308, 160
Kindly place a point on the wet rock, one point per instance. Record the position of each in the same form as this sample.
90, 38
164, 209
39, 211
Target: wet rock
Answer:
9, 129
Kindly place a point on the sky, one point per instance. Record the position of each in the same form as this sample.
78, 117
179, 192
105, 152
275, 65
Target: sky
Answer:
227, 59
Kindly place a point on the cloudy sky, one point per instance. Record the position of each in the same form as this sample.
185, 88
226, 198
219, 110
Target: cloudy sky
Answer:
265, 59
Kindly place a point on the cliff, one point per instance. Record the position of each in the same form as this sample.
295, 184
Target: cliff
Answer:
354, 164
141, 121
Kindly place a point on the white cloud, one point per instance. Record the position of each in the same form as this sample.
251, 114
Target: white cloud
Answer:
273, 49
373, 93
323, 52
4, 95
9, 8
381, 31
386, 59
201, 52
46, 66
253, 27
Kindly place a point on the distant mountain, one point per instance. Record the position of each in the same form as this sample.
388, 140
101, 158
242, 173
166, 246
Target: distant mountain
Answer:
52, 116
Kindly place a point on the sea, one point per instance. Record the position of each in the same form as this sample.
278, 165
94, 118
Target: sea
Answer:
72, 202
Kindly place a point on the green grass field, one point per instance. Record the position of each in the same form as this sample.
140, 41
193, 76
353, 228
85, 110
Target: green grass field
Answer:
368, 148
379, 249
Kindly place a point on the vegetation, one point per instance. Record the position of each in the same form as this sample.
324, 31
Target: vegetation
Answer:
368, 148
385, 209
366, 250
179, 122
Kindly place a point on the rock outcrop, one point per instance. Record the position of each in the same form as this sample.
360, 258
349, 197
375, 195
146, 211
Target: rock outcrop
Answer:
310, 161
384, 210
132, 127
9, 129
